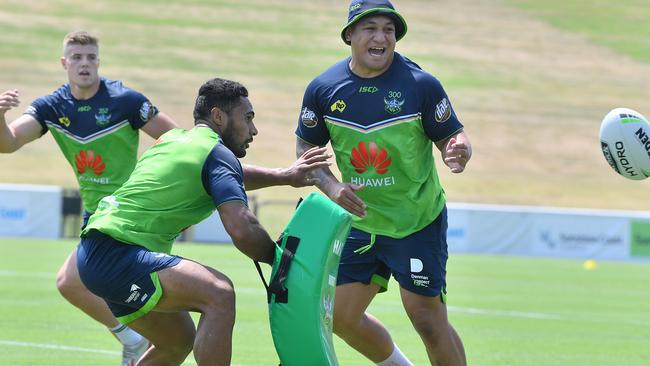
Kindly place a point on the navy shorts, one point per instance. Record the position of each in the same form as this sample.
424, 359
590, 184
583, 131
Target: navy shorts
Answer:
124, 275
418, 261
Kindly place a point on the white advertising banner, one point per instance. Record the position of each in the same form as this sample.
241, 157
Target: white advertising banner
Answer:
583, 236
30, 211
488, 229
499, 232
551, 232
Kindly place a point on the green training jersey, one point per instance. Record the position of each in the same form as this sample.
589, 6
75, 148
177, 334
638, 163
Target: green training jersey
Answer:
177, 183
98, 136
381, 130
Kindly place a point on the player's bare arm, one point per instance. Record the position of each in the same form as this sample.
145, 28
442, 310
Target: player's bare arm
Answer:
296, 175
246, 232
158, 125
341, 193
21, 131
456, 151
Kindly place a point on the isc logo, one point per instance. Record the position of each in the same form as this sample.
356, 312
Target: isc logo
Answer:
368, 89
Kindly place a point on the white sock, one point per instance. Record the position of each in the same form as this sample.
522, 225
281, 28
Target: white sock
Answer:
126, 335
396, 358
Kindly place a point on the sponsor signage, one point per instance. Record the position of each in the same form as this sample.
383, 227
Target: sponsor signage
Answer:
582, 236
549, 232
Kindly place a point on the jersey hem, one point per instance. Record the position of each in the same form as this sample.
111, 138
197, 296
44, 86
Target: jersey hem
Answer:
417, 228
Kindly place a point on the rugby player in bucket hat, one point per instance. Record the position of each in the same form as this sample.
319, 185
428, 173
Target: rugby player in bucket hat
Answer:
362, 8
383, 116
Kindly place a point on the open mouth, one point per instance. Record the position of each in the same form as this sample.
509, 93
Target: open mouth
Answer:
376, 51
84, 73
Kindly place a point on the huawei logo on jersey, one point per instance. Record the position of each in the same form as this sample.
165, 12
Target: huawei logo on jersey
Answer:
365, 155
87, 160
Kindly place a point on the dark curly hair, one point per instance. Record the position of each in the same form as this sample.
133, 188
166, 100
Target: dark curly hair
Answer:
221, 93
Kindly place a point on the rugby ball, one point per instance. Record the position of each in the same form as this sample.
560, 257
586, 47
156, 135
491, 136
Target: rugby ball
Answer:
625, 142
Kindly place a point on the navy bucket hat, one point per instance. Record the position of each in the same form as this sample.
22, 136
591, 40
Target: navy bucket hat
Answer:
362, 8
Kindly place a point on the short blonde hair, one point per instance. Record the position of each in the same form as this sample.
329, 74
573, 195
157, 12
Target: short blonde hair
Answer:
81, 38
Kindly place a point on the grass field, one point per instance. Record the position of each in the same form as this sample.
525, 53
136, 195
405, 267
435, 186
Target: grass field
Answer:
618, 25
509, 311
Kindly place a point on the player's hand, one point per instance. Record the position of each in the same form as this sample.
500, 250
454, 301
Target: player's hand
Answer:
344, 194
298, 174
456, 155
9, 99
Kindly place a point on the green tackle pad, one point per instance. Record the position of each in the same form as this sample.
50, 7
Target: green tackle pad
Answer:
303, 282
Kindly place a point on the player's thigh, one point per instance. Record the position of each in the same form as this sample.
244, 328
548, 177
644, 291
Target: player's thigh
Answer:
192, 286
359, 264
166, 330
419, 261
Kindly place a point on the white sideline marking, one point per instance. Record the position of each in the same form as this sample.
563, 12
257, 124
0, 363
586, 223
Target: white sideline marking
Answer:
507, 313
5, 273
57, 347
75, 349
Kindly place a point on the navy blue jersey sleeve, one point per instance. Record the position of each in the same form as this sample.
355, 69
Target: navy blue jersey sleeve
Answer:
311, 122
439, 119
140, 109
42, 111
223, 177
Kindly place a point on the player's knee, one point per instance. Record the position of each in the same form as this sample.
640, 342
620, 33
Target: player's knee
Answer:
224, 291
221, 297
431, 329
65, 283
345, 322
174, 348
176, 354
180, 350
